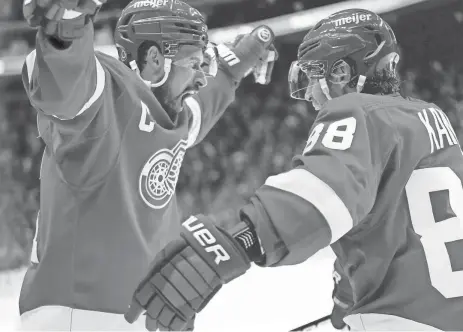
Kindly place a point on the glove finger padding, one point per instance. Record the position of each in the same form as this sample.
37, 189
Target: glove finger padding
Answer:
191, 295
145, 292
186, 275
209, 298
337, 316
64, 19
174, 298
210, 60
263, 71
242, 56
161, 315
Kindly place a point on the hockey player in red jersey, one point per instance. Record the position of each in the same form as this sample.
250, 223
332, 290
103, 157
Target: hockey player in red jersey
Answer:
380, 180
116, 131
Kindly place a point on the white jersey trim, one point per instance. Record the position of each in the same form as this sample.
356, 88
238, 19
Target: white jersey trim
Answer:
59, 318
99, 88
30, 62
383, 322
195, 127
100, 84
304, 184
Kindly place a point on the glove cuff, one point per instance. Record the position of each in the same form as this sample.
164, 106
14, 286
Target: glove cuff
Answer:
243, 233
216, 247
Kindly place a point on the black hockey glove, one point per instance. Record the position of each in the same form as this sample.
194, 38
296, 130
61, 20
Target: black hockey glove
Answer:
63, 19
188, 273
342, 298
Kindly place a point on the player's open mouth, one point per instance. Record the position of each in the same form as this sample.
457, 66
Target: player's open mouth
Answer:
188, 93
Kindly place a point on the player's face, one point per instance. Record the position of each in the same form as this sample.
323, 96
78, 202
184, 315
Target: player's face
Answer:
185, 78
308, 74
318, 98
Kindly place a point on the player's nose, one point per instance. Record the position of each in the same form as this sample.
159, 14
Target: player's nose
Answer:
308, 92
200, 80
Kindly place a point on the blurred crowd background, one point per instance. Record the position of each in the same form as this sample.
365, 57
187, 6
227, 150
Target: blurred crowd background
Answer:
260, 133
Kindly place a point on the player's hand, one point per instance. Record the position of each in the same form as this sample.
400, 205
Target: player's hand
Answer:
254, 52
63, 19
342, 297
185, 276
262, 72
337, 315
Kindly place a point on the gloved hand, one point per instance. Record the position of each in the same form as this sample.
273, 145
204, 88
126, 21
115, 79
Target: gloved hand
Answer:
186, 275
253, 52
63, 19
342, 297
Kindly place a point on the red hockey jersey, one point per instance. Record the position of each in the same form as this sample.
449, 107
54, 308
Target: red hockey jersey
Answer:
380, 179
108, 174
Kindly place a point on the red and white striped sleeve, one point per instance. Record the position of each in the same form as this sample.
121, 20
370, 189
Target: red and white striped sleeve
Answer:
331, 188
64, 83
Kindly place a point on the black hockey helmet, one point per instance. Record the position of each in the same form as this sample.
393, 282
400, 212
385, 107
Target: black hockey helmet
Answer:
355, 37
168, 23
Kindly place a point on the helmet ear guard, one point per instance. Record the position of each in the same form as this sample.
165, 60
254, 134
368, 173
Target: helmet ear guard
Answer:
167, 68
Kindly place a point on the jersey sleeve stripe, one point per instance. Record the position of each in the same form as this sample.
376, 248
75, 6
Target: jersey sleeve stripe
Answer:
100, 84
99, 88
304, 184
195, 109
385, 322
30, 63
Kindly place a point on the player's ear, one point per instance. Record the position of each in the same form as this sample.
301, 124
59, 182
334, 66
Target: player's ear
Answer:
341, 74
155, 63
346, 87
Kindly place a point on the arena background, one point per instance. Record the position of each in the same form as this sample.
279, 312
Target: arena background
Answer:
262, 129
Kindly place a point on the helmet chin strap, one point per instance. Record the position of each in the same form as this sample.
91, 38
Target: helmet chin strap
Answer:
325, 88
360, 83
167, 68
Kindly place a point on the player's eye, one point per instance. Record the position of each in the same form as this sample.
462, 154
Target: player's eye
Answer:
314, 69
196, 65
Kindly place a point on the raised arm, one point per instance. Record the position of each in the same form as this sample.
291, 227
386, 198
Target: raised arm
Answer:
253, 52
62, 76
